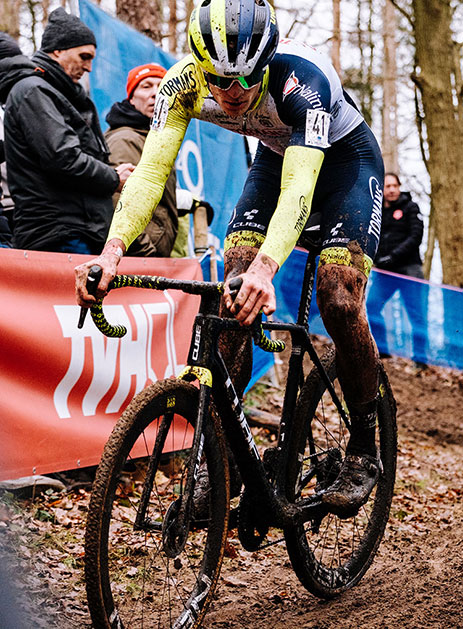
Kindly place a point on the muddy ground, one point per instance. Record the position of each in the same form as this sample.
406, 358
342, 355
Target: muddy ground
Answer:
415, 581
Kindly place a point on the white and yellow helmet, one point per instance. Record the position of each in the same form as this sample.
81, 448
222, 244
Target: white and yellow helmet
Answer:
233, 38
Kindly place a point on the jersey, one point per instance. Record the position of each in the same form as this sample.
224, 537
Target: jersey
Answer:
300, 112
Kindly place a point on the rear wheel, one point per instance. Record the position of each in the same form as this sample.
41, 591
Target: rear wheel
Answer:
330, 555
147, 577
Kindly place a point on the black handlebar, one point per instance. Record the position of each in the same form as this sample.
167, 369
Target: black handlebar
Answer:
192, 287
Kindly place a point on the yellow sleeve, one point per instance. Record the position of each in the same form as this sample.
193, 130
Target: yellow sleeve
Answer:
301, 166
144, 188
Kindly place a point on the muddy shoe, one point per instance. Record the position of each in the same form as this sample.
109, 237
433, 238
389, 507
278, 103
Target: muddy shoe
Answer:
359, 474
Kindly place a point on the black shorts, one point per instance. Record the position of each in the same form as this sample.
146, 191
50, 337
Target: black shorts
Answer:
348, 195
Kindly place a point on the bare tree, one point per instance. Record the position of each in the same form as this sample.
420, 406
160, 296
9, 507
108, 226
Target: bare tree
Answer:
438, 78
146, 17
9, 17
172, 26
389, 112
336, 40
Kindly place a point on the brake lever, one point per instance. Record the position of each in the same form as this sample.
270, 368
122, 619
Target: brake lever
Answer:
234, 287
93, 279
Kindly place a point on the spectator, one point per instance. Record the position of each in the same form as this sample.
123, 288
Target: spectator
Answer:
129, 122
57, 160
8, 48
401, 235
5, 231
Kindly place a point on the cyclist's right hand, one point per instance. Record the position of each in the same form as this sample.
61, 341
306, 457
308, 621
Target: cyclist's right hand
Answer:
108, 260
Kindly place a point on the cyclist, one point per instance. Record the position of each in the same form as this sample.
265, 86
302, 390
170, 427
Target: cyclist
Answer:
315, 149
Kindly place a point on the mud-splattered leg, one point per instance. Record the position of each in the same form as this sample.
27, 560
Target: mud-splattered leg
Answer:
341, 300
236, 347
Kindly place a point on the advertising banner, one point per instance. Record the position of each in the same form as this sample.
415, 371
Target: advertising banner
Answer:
62, 389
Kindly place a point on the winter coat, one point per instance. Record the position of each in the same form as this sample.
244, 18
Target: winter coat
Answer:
401, 235
126, 138
57, 159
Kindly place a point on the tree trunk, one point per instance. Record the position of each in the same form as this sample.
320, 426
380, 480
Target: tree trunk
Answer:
173, 26
9, 17
389, 118
336, 39
429, 254
436, 80
146, 17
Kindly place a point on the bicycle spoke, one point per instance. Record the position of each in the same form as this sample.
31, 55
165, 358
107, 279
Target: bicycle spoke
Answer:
330, 554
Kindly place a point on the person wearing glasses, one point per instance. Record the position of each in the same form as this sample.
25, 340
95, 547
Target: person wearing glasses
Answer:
315, 149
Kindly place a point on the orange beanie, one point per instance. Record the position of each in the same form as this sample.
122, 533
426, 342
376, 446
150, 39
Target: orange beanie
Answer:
142, 72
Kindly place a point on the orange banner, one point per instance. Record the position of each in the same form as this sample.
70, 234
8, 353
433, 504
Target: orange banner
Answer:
61, 388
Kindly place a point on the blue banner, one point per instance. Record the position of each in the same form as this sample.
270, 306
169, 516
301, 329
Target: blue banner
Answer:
408, 317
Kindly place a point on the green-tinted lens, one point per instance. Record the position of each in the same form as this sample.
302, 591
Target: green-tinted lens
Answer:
225, 82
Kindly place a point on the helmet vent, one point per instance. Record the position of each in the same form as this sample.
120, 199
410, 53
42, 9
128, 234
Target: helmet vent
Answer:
209, 43
255, 41
232, 47
194, 50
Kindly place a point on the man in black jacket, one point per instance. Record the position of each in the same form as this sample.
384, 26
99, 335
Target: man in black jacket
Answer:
8, 48
398, 251
57, 159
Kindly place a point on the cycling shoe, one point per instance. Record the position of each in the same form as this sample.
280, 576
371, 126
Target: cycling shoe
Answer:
358, 475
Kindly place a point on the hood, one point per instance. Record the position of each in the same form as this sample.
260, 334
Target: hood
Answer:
404, 199
12, 70
124, 114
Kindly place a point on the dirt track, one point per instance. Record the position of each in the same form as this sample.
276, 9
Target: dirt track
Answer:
415, 581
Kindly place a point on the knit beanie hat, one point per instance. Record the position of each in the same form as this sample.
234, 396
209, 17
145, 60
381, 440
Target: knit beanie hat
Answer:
8, 46
142, 72
65, 31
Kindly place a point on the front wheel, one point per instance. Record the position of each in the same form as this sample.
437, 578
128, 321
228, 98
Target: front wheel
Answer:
329, 554
136, 576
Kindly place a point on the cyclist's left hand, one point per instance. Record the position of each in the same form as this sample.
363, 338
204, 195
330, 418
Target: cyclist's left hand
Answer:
256, 293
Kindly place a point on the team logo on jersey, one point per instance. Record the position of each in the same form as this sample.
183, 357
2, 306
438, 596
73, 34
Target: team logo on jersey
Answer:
294, 86
292, 83
185, 81
161, 109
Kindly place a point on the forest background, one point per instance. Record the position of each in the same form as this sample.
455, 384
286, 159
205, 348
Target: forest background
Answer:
401, 60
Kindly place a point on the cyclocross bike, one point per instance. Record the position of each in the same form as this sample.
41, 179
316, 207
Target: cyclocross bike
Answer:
148, 561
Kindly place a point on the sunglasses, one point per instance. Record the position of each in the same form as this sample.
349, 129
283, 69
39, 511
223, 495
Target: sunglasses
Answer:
225, 82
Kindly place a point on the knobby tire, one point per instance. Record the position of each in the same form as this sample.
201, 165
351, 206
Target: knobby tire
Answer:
130, 580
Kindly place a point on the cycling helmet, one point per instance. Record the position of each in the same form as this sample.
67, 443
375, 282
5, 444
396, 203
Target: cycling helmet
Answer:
233, 38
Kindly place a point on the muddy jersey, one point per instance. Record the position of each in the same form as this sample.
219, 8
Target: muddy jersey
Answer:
300, 112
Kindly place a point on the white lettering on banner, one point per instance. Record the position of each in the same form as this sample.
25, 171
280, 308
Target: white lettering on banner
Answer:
190, 147
133, 357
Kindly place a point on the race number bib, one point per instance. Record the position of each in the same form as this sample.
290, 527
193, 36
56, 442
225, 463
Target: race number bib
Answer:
317, 125
161, 109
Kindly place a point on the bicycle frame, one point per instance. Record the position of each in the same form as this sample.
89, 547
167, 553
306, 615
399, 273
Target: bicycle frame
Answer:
206, 365
204, 355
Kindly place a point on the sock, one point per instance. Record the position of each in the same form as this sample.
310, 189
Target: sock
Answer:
363, 428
